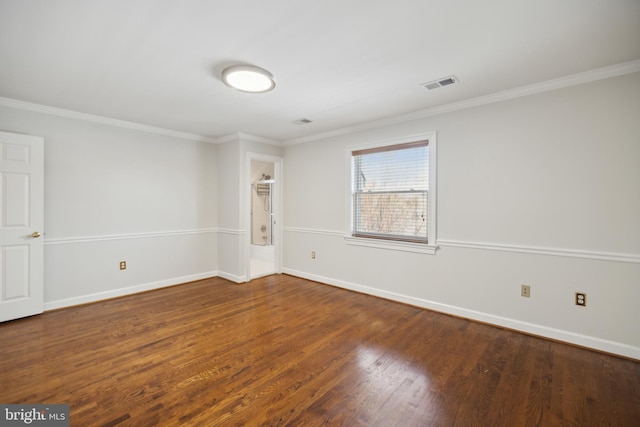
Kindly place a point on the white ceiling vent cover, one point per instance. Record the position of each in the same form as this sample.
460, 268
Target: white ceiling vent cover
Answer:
445, 81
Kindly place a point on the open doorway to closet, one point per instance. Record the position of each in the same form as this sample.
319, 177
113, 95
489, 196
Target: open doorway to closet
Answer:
264, 206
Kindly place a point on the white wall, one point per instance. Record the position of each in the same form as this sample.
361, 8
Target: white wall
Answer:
541, 190
114, 194
234, 187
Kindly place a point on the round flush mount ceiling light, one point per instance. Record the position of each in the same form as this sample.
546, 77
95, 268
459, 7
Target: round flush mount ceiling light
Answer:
248, 78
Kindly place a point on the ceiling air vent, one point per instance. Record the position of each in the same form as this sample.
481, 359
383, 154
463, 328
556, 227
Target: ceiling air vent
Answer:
301, 122
445, 81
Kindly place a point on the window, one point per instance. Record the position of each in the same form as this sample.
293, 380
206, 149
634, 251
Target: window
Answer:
392, 195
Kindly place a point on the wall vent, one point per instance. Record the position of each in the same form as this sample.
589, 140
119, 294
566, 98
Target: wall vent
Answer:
445, 81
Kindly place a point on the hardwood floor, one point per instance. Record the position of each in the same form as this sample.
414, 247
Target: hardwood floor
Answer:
286, 351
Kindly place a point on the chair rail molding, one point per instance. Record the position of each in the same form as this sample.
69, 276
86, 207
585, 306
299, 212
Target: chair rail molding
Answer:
503, 247
563, 252
103, 238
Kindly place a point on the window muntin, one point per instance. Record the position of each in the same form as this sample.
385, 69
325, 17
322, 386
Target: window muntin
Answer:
390, 192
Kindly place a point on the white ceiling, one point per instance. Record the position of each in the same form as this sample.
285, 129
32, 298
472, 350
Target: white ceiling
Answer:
339, 63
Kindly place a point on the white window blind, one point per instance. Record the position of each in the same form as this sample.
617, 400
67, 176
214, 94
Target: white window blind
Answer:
390, 192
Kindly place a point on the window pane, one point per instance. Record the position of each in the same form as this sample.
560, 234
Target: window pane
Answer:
391, 192
393, 214
394, 170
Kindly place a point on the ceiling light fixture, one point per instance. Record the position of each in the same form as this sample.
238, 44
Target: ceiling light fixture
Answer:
248, 78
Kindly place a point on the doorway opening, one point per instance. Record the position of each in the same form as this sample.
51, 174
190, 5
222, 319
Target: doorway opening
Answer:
264, 239
262, 250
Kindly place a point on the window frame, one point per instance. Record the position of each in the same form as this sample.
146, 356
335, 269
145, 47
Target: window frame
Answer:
388, 243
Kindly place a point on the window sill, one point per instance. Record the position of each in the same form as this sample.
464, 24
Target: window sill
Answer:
420, 248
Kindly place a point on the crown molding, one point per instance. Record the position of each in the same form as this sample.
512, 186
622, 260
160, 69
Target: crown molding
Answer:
242, 136
60, 112
559, 83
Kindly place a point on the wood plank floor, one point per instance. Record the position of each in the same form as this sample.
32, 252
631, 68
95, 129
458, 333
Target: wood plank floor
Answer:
286, 351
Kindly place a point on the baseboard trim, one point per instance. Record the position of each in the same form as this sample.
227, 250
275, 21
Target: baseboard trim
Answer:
232, 277
580, 340
99, 296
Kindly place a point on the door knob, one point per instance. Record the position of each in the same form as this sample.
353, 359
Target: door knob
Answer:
35, 234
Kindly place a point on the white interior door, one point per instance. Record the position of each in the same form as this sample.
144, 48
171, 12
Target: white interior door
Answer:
21, 225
